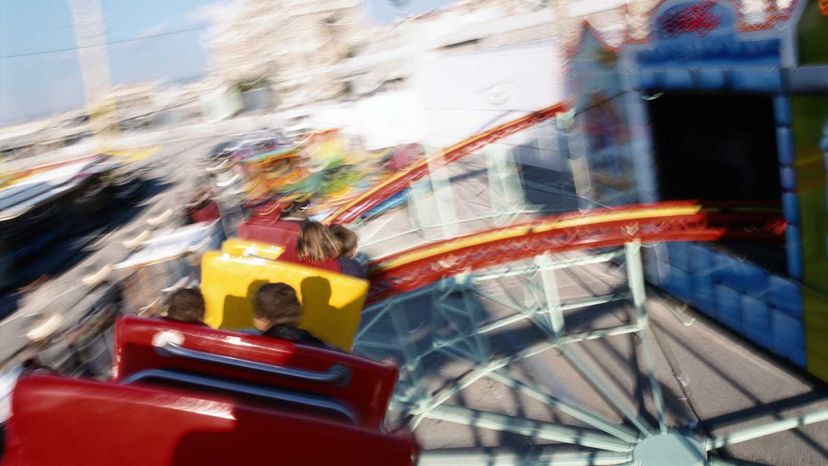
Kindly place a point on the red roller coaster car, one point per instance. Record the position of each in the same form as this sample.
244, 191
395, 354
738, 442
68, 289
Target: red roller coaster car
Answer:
185, 394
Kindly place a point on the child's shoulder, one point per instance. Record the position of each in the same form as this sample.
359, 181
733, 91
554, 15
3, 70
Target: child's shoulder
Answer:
351, 267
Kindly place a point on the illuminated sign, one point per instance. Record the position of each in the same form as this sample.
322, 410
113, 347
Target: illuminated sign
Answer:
702, 33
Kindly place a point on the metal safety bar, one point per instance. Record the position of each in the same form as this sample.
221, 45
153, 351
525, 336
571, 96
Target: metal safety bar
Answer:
304, 399
335, 375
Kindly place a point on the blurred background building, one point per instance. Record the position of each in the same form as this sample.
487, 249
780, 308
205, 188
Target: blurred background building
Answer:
442, 73
283, 50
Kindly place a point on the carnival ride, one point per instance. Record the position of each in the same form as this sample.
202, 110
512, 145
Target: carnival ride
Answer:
60, 200
316, 166
185, 394
194, 388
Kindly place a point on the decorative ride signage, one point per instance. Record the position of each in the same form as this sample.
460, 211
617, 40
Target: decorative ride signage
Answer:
698, 18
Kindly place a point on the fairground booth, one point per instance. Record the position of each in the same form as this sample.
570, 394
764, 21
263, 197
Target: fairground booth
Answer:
725, 103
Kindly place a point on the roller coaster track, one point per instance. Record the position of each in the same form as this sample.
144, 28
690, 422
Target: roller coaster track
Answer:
424, 309
460, 334
373, 197
667, 221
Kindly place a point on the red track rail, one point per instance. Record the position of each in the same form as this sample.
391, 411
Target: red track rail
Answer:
669, 221
376, 195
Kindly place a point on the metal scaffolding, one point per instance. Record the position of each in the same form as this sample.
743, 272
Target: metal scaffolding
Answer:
453, 326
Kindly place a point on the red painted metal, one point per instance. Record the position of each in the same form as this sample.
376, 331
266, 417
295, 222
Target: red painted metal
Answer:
758, 221
283, 233
268, 230
695, 17
331, 265
204, 213
430, 268
377, 195
266, 206
586, 28
367, 391
72, 422
773, 16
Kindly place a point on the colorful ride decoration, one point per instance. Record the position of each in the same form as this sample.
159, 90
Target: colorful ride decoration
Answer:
324, 166
326, 147
342, 170
187, 394
271, 172
717, 53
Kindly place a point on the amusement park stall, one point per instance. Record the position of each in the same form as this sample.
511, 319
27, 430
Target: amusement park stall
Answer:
717, 102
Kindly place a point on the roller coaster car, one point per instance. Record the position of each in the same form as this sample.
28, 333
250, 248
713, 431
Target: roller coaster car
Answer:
244, 248
185, 394
269, 230
332, 303
280, 232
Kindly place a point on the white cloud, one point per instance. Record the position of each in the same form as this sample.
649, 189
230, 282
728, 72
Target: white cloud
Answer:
213, 13
154, 30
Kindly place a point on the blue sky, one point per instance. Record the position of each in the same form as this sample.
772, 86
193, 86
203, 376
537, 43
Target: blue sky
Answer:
34, 84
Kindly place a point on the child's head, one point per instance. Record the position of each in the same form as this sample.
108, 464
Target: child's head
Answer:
315, 243
276, 304
347, 240
186, 305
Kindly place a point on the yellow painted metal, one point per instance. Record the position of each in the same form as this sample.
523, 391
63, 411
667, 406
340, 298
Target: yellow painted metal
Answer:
245, 248
332, 302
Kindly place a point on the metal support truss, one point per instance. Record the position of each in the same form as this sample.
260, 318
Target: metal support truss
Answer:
458, 330
443, 199
505, 191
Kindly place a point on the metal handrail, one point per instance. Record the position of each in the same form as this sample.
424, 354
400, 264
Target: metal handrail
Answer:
335, 375
304, 399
